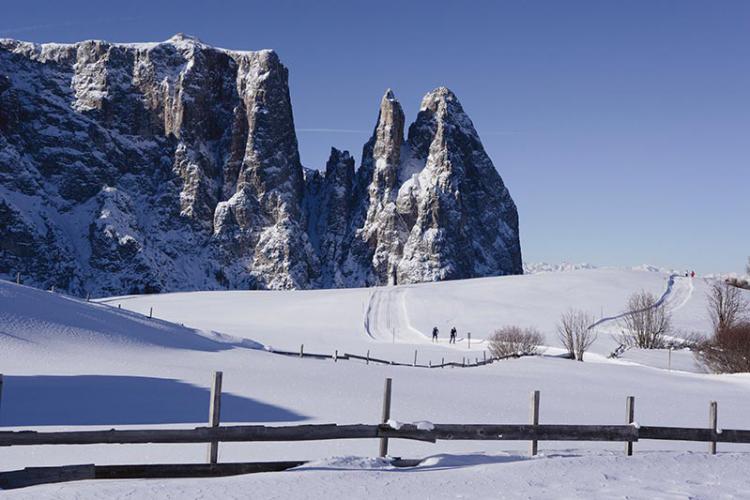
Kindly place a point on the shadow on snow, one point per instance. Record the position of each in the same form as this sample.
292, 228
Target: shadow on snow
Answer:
122, 400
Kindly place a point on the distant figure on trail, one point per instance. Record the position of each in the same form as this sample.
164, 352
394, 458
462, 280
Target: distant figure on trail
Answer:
692, 274
435, 334
453, 336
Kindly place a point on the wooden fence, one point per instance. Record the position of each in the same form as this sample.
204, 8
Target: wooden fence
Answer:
465, 362
627, 433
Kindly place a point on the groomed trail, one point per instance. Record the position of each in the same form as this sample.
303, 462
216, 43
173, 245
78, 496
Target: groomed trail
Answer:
678, 293
386, 319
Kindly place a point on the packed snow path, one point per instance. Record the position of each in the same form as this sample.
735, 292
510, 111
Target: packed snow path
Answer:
678, 293
386, 319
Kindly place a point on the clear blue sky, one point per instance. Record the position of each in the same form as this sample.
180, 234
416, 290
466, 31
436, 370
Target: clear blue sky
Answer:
621, 128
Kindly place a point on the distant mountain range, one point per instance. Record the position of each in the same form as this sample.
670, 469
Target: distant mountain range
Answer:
138, 168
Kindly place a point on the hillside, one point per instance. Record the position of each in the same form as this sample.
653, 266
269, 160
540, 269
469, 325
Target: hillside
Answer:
165, 382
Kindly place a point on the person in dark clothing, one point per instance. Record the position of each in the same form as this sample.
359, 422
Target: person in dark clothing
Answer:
435, 334
453, 336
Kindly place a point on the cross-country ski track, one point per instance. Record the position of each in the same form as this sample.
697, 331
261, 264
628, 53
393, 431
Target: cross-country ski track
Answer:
386, 317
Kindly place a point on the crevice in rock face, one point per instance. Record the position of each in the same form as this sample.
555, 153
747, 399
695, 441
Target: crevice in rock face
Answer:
175, 166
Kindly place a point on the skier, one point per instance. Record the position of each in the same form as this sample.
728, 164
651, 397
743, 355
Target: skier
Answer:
435, 334
453, 336
692, 274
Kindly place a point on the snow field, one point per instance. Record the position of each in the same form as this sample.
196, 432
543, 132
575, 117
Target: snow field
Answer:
71, 365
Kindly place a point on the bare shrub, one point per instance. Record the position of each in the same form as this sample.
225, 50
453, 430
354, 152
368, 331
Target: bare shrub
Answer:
738, 282
575, 332
684, 340
726, 306
514, 341
728, 351
646, 322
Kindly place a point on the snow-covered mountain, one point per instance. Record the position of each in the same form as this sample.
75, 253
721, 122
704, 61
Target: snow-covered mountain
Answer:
129, 168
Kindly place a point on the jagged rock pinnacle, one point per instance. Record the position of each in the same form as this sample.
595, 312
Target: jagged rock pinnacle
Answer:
183, 168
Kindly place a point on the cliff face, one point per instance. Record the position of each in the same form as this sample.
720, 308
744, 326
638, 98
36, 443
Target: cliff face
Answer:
128, 168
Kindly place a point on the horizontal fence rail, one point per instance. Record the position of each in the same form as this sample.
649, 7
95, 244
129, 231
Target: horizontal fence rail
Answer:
320, 432
214, 433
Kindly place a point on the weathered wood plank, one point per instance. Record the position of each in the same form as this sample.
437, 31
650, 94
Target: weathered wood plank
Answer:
694, 434
196, 435
190, 470
386, 415
629, 418
314, 432
214, 415
515, 432
534, 415
31, 476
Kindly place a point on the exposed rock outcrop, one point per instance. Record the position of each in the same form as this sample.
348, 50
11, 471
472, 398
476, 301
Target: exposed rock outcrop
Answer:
128, 168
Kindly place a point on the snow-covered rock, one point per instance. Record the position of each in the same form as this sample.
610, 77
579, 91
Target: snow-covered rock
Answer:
131, 168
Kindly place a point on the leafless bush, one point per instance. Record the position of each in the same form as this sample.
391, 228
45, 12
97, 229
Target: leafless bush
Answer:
726, 306
728, 351
684, 340
646, 322
738, 282
515, 341
575, 332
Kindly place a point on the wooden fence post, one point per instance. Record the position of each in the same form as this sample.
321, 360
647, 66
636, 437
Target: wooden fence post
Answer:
534, 420
88, 296
368, 357
302, 350
484, 356
415, 358
469, 335
630, 418
150, 313
336, 356
386, 415
214, 416
442, 362
18, 278
712, 424
669, 362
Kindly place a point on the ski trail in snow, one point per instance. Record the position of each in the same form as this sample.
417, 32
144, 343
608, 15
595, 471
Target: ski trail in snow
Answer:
678, 293
386, 319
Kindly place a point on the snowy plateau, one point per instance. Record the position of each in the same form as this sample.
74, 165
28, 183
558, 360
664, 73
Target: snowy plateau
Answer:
105, 363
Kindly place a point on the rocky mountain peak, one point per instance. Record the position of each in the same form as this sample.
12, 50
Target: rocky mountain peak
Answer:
130, 168
178, 38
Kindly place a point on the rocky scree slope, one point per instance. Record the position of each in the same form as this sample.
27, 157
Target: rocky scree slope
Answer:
137, 168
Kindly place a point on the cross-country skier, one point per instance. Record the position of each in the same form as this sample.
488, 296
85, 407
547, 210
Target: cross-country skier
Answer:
453, 336
435, 334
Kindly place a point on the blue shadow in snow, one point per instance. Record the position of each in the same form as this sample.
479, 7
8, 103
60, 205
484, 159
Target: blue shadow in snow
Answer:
122, 400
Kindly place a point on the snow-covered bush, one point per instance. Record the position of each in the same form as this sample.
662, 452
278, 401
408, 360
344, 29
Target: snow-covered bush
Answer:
575, 332
646, 322
510, 341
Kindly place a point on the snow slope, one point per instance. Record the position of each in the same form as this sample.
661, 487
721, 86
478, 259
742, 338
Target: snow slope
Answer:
115, 367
